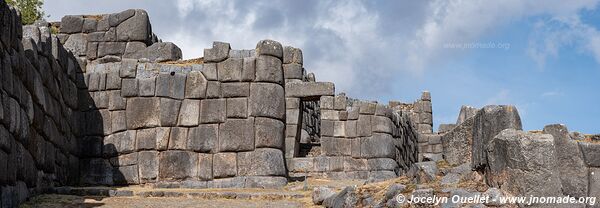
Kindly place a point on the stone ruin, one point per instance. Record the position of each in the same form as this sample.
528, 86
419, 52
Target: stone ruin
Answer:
100, 100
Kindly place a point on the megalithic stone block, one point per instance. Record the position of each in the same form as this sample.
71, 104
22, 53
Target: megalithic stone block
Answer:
219, 52
309, 89
488, 122
269, 47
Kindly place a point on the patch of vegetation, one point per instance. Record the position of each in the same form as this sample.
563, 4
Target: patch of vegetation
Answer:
31, 10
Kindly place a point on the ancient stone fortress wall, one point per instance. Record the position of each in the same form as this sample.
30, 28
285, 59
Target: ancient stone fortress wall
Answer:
38, 104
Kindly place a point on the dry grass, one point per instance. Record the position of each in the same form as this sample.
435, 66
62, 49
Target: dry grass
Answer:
96, 17
186, 62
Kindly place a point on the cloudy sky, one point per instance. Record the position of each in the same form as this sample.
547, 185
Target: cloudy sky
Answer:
542, 57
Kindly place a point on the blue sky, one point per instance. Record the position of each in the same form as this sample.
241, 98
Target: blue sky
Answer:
392, 50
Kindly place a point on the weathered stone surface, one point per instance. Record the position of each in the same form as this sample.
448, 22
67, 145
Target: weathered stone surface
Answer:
146, 139
293, 71
571, 166
119, 143
169, 111
130, 88
177, 165
466, 112
118, 122
423, 172
189, 113
265, 182
594, 184
195, 85
249, 69
457, 144
379, 145
237, 107
224, 164
321, 193
141, 112
292, 55
212, 111
148, 164
213, 89
364, 125
116, 18
160, 52
380, 175
134, 28
111, 48
335, 146
203, 138
219, 52
77, 44
382, 164
237, 89
345, 198
205, 165
268, 132
132, 49
309, 89
523, 164
178, 138
71, 24
266, 100
230, 70
261, 162
382, 124
147, 87
236, 135
268, 69
591, 153
487, 123
269, 47
162, 138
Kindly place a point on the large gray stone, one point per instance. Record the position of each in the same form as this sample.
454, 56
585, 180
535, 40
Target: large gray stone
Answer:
160, 52
119, 143
195, 85
487, 123
235, 89
189, 113
523, 164
205, 165
146, 139
466, 112
457, 143
178, 138
218, 52
212, 111
177, 165
268, 69
571, 166
224, 164
423, 172
203, 138
292, 55
71, 24
77, 44
116, 18
382, 164
321, 193
135, 28
142, 113
111, 48
269, 47
266, 100
230, 70
237, 107
268, 132
345, 198
261, 162
309, 89
591, 153
236, 135
169, 111
378, 145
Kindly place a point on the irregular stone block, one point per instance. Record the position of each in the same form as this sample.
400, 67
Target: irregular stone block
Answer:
203, 138
591, 153
212, 111
146, 139
571, 165
205, 165
160, 52
213, 89
134, 28
423, 172
330, 115
130, 88
382, 164
269, 47
147, 87
266, 100
122, 142
268, 69
378, 145
177, 165
189, 113
352, 164
292, 116
268, 132
249, 69
292, 103
169, 111
230, 70
76, 44
293, 71
172, 86
534, 174
113, 81
336, 146
141, 113
111, 48
178, 138
71, 24
327, 128
116, 18
239, 89
265, 182
309, 89
148, 165
195, 85
292, 55
224, 164
133, 48
118, 121
302, 165
219, 52
115, 101
128, 68
364, 125
339, 129
236, 135
368, 108
237, 107
261, 162
162, 138
488, 122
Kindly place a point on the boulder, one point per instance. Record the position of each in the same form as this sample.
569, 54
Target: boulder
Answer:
487, 123
71, 24
466, 112
345, 198
523, 164
457, 143
134, 28
591, 153
160, 52
321, 193
571, 166
269, 47
423, 172
218, 52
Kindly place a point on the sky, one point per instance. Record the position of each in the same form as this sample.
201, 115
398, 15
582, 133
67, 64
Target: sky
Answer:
544, 58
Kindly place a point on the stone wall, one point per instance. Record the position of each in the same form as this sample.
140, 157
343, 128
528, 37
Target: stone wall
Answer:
38, 111
216, 124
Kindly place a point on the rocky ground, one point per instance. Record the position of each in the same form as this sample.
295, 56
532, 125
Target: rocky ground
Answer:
429, 178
